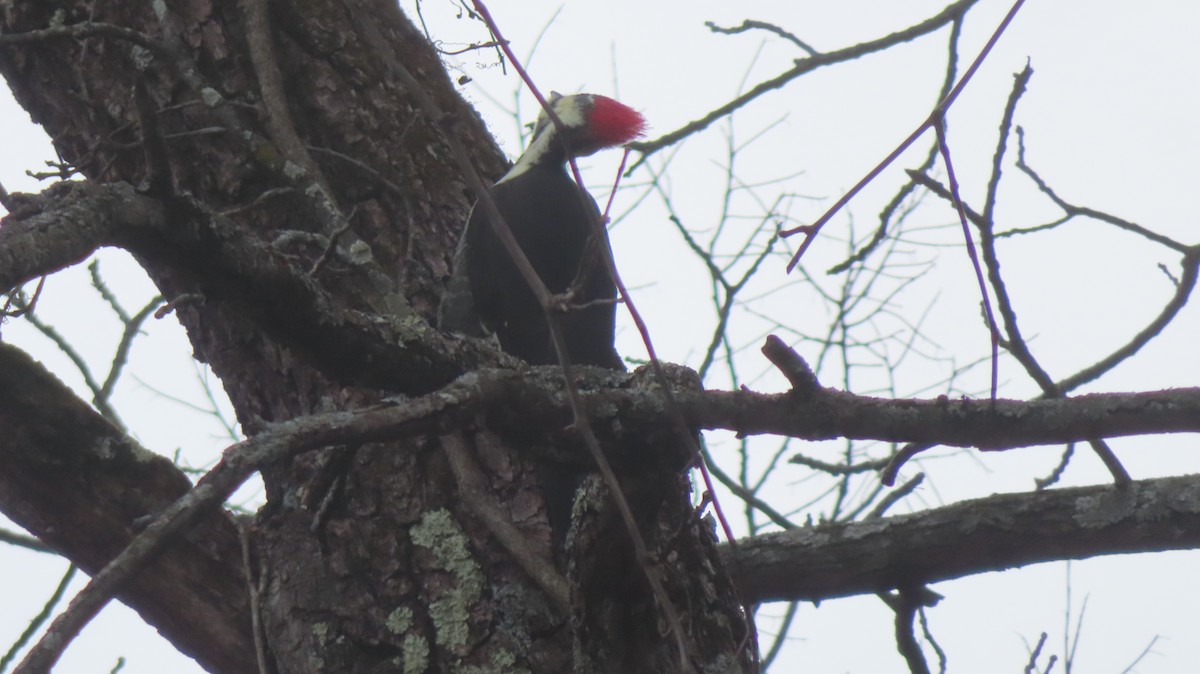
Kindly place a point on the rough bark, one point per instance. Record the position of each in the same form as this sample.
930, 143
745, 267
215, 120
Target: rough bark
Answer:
368, 559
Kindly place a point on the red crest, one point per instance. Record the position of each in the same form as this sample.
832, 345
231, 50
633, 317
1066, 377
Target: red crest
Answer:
612, 123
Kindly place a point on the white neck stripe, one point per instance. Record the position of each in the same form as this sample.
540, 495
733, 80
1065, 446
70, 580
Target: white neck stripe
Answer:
570, 113
532, 155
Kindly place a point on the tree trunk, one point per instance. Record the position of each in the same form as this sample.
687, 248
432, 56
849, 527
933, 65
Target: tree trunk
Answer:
368, 557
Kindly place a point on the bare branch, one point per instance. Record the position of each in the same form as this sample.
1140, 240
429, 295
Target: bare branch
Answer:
23, 541
67, 222
749, 25
990, 534
132, 327
939, 126
838, 468
792, 365
40, 619
1151, 529
64, 345
1145, 651
889, 210
935, 117
254, 584
1031, 666
895, 495
906, 607
1015, 342
803, 67
1082, 211
66, 473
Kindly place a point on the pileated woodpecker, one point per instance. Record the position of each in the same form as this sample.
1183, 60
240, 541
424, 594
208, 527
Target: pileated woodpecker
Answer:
548, 215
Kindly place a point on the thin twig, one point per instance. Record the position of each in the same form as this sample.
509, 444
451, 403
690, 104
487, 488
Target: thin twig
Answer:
895, 495
252, 589
905, 607
133, 326
1145, 651
810, 231
16, 298
748, 496
106, 292
928, 634
802, 67
23, 541
993, 330
838, 468
905, 190
749, 24
1056, 474
40, 619
1031, 665
1016, 344
1082, 211
64, 345
780, 636
474, 490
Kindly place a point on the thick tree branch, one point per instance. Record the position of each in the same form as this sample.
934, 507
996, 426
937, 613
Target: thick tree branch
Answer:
82, 487
1004, 424
66, 223
809, 563
989, 534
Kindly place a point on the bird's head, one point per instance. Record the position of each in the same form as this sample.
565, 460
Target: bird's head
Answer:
590, 122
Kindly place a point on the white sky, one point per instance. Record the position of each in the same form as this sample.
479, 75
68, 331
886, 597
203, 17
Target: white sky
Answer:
1110, 118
